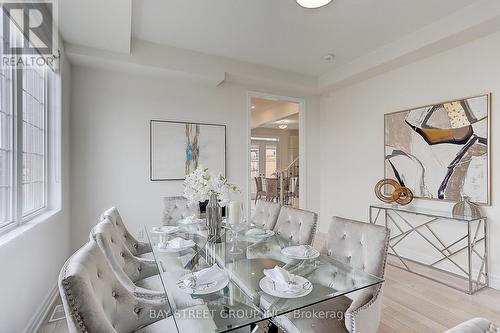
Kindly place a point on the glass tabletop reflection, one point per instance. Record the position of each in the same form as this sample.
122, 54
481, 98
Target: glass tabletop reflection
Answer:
238, 300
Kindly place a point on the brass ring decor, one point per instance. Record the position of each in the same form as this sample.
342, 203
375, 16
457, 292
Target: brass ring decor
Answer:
378, 189
401, 195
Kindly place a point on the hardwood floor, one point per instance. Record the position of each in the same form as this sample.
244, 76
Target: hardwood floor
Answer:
411, 304
414, 304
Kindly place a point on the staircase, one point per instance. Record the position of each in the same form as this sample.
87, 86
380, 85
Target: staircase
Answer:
288, 180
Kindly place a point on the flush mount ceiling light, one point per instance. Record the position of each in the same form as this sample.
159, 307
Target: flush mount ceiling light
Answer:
313, 3
282, 125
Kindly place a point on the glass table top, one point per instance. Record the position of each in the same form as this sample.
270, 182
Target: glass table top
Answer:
241, 302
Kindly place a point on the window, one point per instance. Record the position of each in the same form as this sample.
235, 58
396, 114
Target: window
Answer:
33, 130
6, 147
254, 162
23, 143
271, 161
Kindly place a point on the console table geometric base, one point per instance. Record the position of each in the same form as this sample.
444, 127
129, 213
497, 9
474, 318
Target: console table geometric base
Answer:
459, 261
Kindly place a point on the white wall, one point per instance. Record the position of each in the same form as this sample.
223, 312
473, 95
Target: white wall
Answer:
110, 141
352, 128
33, 254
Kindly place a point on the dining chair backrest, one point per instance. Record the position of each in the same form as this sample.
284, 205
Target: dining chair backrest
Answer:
296, 225
358, 244
96, 301
177, 208
363, 246
265, 214
271, 188
134, 246
258, 184
123, 263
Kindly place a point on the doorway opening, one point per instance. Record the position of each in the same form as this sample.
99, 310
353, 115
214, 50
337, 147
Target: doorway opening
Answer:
275, 142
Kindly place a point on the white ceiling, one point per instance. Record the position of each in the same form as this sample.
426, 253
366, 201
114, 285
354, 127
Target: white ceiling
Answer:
291, 121
269, 113
101, 24
279, 33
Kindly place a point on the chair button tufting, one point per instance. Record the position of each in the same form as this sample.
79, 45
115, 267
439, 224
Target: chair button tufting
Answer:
113, 293
344, 236
122, 254
137, 310
139, 268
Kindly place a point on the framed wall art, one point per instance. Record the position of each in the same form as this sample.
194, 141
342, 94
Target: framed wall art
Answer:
441, 151
177, 148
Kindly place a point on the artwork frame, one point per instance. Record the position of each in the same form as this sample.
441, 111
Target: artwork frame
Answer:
487, 149
217, 131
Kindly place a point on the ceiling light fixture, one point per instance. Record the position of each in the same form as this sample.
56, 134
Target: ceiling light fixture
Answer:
282, 125
313, 3
253, 107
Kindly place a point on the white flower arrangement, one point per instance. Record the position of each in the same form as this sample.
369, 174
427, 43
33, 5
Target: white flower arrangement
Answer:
200, 185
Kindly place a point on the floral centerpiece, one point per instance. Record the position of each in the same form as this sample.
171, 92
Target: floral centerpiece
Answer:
200, 185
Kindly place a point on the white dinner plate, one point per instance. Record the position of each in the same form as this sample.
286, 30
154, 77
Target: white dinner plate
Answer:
216, 286
175, 249
312, 255
267, 286
268, 233
166, 229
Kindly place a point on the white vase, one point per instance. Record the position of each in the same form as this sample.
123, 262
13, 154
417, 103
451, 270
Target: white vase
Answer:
214, 219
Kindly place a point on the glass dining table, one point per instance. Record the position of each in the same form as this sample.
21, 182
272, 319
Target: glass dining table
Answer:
239, 303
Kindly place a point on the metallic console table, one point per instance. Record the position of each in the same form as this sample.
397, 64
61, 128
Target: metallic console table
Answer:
454, 249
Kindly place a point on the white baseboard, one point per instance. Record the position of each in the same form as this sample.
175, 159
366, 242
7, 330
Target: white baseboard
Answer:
37, 320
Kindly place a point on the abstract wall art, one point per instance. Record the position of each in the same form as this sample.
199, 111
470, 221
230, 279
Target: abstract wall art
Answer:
177, 148
441, 151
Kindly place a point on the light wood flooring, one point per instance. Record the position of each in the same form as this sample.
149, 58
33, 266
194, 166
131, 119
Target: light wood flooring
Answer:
411, 304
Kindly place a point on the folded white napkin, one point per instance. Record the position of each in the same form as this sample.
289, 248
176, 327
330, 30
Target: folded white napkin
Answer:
205, 277
283, 280
191, 220
166, 229
256, 232
299, 250
176, 243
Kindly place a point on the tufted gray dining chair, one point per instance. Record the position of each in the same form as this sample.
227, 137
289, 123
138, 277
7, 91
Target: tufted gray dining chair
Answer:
363, 246
136, 248
130, 270
265, 214
178, 208
96, 301
476, 325
296, 225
